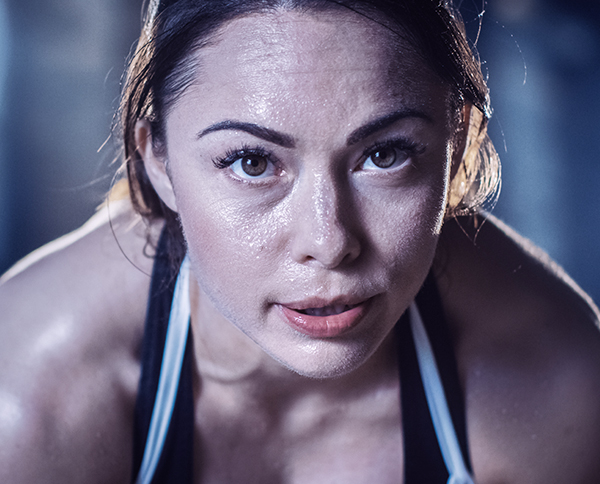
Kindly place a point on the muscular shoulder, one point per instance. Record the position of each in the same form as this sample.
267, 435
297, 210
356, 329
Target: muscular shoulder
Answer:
99, 272
528, 346
72, 319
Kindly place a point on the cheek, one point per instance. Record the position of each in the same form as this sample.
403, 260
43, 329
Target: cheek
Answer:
407, 246
404, 224
234, 246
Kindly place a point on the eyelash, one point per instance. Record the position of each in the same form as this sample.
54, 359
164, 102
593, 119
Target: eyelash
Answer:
232, 155
411, 148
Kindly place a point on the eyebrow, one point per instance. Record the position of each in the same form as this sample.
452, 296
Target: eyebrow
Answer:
267, 134
383, 122
287, 141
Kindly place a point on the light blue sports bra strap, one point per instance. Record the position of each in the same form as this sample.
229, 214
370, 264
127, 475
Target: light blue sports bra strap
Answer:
176, 339
436, 400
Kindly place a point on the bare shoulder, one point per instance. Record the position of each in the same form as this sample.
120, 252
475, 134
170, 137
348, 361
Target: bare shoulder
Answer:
72, 319
528, 346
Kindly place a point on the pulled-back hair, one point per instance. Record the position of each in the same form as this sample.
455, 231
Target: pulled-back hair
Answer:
162, 68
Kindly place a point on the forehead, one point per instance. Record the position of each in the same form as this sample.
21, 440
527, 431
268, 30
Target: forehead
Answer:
275, 64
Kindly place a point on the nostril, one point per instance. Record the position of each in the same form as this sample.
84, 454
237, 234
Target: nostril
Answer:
327, 252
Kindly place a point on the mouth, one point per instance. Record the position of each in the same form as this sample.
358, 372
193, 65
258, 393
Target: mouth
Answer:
326, 321
327, 310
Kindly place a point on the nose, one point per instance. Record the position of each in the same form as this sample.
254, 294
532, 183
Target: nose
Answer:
324, 225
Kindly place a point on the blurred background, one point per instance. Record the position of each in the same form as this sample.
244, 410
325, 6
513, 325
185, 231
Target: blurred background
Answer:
60, 68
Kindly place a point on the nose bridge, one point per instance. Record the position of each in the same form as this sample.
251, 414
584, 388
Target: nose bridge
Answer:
323, 232
324, 205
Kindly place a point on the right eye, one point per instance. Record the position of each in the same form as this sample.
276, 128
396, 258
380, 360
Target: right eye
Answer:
248, 163
251, 165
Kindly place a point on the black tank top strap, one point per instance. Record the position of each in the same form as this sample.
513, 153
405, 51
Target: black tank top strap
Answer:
423, 461
176, 462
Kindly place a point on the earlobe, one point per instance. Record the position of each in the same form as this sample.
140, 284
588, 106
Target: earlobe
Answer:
154, 165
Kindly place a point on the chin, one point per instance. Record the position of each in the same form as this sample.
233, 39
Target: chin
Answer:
322, 360
324, 372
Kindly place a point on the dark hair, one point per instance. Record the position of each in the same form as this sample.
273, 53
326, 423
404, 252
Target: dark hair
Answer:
161, 69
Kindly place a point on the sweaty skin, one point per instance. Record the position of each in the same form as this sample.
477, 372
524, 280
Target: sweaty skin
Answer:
309, 164
310, 231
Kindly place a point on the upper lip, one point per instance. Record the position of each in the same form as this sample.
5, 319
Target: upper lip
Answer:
320, 302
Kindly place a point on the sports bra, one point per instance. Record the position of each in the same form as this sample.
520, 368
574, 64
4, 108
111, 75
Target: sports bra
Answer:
433, 416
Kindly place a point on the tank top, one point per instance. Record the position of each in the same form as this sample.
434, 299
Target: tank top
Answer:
433, 412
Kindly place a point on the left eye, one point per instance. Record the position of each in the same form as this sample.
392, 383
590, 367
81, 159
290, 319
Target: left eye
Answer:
385, 158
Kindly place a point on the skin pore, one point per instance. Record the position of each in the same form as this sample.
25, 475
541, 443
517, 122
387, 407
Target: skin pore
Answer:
312, 101
347, 146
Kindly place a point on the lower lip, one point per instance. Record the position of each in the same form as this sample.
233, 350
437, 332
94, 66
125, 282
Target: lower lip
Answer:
324, 326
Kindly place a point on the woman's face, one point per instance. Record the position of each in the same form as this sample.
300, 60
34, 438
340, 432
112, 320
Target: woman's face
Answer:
309, 165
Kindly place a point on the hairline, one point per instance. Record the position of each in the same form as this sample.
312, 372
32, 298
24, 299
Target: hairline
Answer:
191, 59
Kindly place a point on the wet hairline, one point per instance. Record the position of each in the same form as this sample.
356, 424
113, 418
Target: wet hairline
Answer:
397, 40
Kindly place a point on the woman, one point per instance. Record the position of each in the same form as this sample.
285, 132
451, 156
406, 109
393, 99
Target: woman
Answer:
320, 166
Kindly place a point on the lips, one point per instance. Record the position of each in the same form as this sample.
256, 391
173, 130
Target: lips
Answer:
327, 310
324, 321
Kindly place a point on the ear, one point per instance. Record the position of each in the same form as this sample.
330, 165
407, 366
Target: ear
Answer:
460, 140
155, 166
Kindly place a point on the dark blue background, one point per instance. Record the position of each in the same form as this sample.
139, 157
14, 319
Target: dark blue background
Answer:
61, 61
